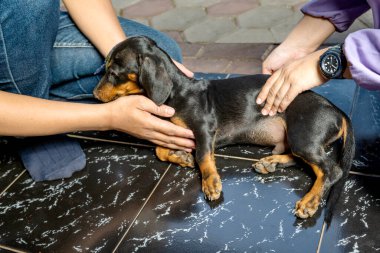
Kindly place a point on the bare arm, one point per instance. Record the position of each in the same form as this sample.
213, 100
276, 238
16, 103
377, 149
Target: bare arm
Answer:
309, 33
304, 39
98, 21
28, 116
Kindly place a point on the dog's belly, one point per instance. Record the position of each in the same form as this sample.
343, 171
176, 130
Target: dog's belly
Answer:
268, 131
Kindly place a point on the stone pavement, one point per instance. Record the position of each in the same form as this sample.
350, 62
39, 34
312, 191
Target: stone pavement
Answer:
224, 36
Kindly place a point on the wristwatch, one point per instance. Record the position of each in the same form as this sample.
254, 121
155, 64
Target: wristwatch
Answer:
333, 62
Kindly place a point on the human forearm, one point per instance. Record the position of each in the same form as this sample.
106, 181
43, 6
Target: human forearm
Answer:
309, 34
98, 21
304, 39
27, 116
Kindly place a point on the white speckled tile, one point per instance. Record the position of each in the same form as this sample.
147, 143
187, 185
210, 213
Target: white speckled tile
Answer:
90, 210
255, 214
354, 227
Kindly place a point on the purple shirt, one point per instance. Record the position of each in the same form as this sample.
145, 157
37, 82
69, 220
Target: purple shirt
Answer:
362, 48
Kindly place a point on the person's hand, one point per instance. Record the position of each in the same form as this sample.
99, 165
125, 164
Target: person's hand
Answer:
135, 115
185, 70
290, 80
281, 56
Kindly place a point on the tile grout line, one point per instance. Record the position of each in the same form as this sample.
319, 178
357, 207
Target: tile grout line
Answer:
141, 209
237, 157
363, 174
14, 181
82, 137
321, 237
11, 249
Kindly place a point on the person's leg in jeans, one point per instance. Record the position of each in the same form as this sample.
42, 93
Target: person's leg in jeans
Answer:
75, 61
28, 31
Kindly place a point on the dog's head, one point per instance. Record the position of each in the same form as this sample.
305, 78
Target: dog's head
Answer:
135, 66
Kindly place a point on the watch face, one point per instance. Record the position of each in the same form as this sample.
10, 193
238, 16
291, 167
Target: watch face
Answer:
330, 63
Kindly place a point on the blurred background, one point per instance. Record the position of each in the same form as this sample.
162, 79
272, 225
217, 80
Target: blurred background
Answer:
224, 36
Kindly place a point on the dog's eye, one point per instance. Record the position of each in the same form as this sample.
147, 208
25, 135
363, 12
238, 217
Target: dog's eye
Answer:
112, 73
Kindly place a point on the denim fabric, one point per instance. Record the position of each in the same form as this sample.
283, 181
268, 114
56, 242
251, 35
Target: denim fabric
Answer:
51, 157
27, 34
43, 54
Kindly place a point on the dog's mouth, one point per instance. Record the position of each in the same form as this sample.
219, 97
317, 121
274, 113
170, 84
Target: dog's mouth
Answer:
106, 91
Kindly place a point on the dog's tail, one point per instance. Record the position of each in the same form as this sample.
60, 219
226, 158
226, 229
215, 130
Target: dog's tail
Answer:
346, 158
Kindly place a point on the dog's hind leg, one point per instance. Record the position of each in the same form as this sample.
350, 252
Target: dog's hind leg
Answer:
182, 158
270, 163
327, 172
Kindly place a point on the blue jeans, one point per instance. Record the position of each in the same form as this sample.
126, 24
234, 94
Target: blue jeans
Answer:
43, 54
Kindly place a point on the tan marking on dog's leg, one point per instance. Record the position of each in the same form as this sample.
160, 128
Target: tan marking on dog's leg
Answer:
211, 183
341, 134
178, 121
269, 163
308, 205
182, 158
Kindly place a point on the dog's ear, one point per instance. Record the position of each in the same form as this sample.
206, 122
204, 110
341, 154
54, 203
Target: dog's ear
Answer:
155, 80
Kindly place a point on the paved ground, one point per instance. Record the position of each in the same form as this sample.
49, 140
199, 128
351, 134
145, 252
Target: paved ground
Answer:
221, 35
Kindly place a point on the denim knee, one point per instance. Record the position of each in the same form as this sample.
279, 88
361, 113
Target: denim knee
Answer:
28, 31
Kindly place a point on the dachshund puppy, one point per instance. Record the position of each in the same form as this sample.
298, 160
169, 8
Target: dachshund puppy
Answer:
224, 112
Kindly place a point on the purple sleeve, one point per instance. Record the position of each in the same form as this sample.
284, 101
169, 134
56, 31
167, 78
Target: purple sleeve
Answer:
341, 13
362, 49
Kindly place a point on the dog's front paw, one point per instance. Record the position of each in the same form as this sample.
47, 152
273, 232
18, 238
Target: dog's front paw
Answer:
212, 187
307, 206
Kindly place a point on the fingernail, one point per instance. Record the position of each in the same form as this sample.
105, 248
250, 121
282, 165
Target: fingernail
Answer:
271, 113
170, 110
191, 135
259, 101
264, 112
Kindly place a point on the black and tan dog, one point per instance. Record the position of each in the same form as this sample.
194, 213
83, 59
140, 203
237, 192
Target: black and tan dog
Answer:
224, 112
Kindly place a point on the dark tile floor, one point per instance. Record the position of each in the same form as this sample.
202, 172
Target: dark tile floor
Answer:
125, 200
